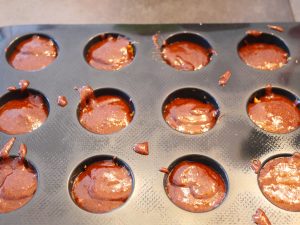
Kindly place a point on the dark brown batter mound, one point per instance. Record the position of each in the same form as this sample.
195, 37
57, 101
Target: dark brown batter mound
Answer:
263, 56
279, 181
195, 187
190, 116
34, 53
104, 114
274, 113
102, 187
260, 218
111, 53
19, 116
184, 55
18, 180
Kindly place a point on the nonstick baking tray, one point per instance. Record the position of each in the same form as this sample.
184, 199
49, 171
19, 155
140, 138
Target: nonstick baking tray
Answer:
61, 143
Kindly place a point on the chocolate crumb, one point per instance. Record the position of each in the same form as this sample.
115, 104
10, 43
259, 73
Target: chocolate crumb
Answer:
141, 148
24, 84
277, 28
164, 170
260, 218
255, 165
62, 101
254, 33
224, 78
12, 88
4, 152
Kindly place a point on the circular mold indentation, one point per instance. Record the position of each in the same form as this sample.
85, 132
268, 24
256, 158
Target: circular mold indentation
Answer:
274, 110
190, 111
31, 52
19, 181
278, 180
106, 112
186, 51
196, 183
263, 51
101, 184
109, 51
22, 111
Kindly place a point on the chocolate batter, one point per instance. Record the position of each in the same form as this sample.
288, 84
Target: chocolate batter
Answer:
62, 101
260, 218
263, 56
279, 181
190, 116
185, 55
110, 53
102, 187
33, 53
23, 114
18, 180
141, 148
195, 187
103, 114
274, 113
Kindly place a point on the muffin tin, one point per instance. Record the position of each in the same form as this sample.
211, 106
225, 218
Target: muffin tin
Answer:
61, 143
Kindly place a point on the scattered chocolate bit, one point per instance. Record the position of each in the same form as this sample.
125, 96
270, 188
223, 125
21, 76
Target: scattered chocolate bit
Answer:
62, 101
4, 152
260, 218
141, 148
155, 39
12, 88
255, 165
254, 33
33, 53
18, 179
86, 93
164, 170
274, 112
278, 180
110, 53
102, 186
224, 78
23, 151
195, 187
213, 52
277, 28
24, 84
104, 114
